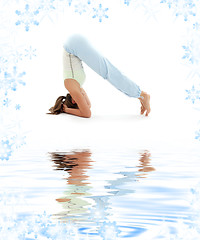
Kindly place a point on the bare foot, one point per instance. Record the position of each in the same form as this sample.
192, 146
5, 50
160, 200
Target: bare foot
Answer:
145, 103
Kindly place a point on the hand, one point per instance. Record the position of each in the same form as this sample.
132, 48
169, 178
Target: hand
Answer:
64, 107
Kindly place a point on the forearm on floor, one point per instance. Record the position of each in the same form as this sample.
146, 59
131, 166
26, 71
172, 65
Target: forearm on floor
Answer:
77, 112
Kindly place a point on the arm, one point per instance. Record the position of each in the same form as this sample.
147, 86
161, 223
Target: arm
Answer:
86, 97
74, 111
83, 107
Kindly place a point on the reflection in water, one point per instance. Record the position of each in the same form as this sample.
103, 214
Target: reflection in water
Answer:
75, 163
145, 165
78, 201
117, 187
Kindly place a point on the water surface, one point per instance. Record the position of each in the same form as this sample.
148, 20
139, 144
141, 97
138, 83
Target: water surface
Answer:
118, 194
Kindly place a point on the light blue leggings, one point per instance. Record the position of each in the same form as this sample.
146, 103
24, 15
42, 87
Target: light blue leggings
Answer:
79, 46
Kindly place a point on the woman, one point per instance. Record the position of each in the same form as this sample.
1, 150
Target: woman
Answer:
76, 50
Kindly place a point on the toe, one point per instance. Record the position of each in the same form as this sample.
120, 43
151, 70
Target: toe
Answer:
142, 110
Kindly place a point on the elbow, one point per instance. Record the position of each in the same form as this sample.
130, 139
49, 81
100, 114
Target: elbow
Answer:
87, 114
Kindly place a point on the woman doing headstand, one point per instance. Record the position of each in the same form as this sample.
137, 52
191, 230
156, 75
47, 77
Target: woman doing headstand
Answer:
76, 50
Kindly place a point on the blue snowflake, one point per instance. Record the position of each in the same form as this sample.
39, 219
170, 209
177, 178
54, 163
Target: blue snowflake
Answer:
100, 13
43, 219
10, 229
3, 64
17, 56
127, 2
188, 53
81, 7
192, 51
185, 8
98, 215
193, 94
27, 17
18, 141
46, 5
12, 197
69, 2
42, 227
196, 26
30, 53
99, 212
16, 228
46, 8
5, 150
6, 102
61, 4
63, 231
150, 9
17, 107
11, 80
109, 230
197, 135
169, 2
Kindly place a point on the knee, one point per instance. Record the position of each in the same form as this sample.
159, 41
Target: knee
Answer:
75, 41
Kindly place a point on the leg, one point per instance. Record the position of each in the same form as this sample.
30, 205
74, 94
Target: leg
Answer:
79, 47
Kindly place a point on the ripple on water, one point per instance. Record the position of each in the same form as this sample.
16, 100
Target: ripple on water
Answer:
132, 193
110, 195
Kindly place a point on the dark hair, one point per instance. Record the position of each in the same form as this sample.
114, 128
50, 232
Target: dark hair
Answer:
57, 108
68, 102
63, 161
